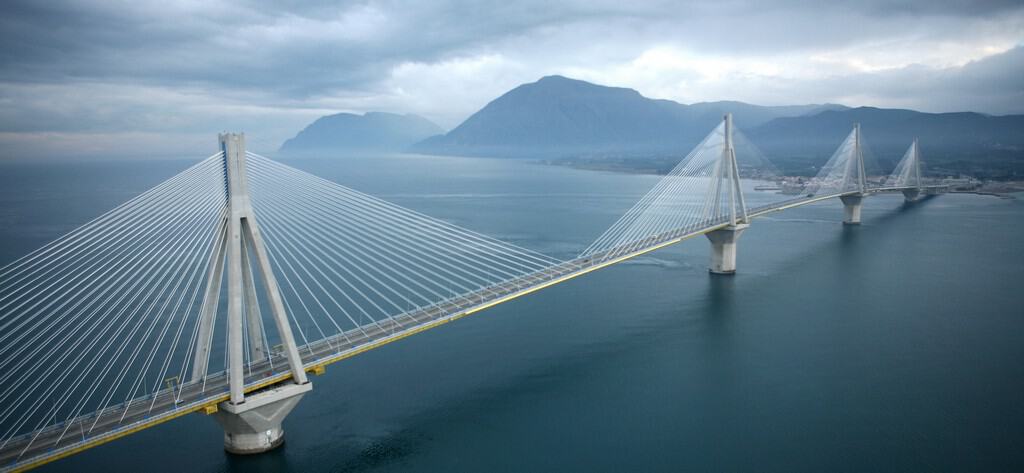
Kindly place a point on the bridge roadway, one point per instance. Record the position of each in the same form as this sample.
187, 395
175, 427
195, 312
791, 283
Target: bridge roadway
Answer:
87, 431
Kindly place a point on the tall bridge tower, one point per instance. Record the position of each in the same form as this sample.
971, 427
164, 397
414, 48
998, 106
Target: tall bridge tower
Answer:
252, 423
912, 174
726, 174
852, 203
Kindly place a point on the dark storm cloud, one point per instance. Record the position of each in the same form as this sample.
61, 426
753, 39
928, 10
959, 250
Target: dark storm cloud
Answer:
306, 48
296, 49
89, 68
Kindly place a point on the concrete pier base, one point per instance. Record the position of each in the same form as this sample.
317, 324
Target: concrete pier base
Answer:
911, 195
851, 208
254, 425
723, 248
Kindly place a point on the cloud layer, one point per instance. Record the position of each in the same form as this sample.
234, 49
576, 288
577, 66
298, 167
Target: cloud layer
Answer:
82, 78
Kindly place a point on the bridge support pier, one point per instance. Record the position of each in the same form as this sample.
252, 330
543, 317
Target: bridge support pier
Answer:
851, 208
254, 425
911, 195
723, 248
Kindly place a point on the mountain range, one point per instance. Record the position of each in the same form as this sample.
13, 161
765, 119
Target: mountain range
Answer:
561, 117
963, 142
566, 119
373, 131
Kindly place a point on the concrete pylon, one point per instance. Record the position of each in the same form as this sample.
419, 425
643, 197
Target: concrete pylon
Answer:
254, 426
862, 178
852, 203
251, 421
914, 193
911, 195
851, 208
723, 248
723, 241
917, 163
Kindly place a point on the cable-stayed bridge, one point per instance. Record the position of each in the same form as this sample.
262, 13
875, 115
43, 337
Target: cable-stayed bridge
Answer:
220, 289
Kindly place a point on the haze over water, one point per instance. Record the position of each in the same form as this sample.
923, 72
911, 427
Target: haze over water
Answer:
892, 346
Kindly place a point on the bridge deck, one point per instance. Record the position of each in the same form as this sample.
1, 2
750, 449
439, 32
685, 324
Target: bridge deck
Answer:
66, 438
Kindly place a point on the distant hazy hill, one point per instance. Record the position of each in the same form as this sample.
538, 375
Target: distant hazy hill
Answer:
376, 131
981, 144
557, 116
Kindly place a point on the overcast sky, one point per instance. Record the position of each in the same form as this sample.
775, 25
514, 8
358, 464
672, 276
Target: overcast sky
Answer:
140, 78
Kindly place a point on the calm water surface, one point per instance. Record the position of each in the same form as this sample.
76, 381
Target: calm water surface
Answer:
893, 346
